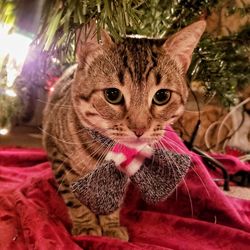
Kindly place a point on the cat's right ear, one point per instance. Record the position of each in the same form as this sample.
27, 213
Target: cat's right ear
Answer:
181, 45
87, 41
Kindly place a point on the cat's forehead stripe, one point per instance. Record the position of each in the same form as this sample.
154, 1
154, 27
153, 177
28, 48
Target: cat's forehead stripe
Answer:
126, 64
139, 59
121, 77
154, 63
158, 78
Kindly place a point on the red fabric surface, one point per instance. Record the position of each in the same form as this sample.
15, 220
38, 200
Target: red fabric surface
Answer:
197, 215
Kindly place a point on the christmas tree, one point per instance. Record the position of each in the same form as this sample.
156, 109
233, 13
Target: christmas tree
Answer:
220, 62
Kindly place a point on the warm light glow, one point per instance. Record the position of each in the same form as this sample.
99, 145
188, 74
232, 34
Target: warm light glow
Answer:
10, 92
12, 73
4, 131
16, 47
55, 60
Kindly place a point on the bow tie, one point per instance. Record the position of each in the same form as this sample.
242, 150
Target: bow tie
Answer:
155, 172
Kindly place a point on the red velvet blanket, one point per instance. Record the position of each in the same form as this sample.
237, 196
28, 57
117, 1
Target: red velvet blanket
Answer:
197, 215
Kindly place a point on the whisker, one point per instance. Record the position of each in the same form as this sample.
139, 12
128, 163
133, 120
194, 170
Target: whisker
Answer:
56, 138
199, 177
90, 156
185, 183
174, 143
167, 129
55, 104
100, 160
161, 147
164, 154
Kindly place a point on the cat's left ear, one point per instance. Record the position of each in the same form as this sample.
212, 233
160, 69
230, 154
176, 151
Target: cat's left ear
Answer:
88, 42
181, 45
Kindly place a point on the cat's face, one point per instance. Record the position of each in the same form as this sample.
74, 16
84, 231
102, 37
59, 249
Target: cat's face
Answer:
130, 91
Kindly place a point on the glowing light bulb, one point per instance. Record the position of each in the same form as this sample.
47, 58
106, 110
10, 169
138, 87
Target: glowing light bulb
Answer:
10, 92
55, 60
16, 47
14, 44
4, 131
12, 73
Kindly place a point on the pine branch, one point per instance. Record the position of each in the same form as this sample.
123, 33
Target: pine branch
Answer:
220, 63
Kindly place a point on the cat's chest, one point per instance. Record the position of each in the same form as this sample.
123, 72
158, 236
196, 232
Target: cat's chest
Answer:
82, 162
84, 152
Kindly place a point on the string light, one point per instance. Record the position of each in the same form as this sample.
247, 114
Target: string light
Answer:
4, 131
10, 92
51, 89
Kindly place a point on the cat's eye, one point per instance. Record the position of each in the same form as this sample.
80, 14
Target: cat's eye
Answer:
113, 96
161, 97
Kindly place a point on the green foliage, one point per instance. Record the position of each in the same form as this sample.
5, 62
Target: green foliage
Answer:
7, 12
160, 18
220, 63
154, 18
62, 17
9, 107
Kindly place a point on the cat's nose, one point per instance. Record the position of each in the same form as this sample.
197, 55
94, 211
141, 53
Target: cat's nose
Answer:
139, 131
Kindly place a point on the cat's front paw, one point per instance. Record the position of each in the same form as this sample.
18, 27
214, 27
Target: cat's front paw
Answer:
116, 232
86, 230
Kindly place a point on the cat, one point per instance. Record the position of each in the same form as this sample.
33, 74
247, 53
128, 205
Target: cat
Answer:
127, 91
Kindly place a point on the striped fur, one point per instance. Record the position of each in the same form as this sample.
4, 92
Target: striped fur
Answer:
138, 68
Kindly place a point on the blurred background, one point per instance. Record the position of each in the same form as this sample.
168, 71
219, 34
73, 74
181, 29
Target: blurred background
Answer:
37, 42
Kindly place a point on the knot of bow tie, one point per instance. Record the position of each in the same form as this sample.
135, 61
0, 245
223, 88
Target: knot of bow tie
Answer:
155, 172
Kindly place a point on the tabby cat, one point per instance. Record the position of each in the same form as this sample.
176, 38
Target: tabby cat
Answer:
128, 92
